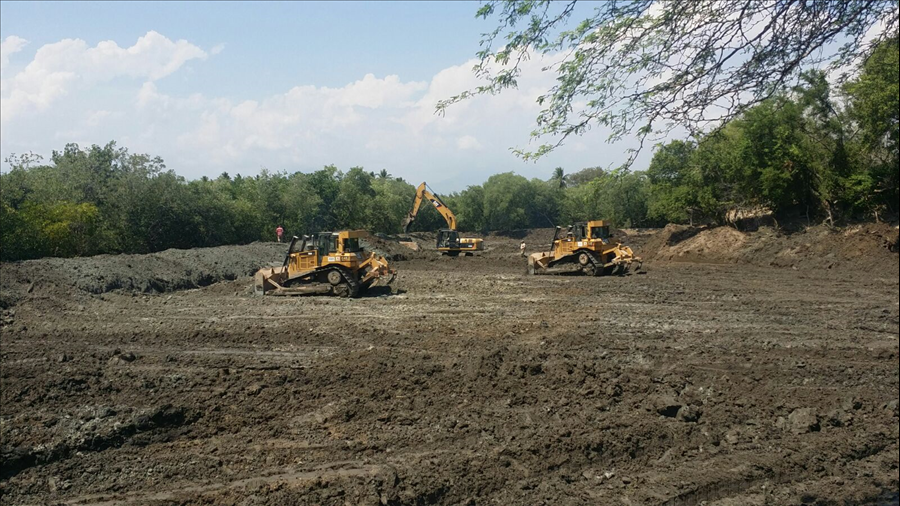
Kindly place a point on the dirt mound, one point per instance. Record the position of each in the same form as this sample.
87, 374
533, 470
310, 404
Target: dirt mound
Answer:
165, 271
816, 247
682, 243
389, 247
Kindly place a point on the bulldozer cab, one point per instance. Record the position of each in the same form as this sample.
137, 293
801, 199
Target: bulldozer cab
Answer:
350, 245
598, 230
589, 230
579, 231
447, 239
324, 243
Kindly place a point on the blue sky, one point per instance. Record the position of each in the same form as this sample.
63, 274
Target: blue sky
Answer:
236, 87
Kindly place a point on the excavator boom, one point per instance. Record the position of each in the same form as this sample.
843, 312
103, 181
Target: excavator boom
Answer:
423, 192
448, 240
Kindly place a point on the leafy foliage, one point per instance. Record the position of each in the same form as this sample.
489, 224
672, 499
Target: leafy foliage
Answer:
643, 66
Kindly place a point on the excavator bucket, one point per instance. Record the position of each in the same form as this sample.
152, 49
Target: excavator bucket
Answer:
407, 220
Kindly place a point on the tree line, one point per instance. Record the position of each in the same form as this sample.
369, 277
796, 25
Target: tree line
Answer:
821, 152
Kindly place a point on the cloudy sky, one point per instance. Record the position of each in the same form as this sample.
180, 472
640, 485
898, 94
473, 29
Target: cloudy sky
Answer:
236, 87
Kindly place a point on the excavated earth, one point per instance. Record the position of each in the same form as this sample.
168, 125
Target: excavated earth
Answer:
739, 369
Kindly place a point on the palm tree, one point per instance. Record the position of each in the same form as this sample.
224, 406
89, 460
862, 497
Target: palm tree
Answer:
384, 174
559, 176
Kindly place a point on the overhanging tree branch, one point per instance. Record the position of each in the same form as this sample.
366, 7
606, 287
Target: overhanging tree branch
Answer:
645, 67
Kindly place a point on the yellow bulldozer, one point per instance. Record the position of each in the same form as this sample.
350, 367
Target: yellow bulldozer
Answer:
325, 263
584, 247
448, 240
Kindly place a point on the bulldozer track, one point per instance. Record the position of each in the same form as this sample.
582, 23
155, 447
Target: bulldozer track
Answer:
319, 277
351, 280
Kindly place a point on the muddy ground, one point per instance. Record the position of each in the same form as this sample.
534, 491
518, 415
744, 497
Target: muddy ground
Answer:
708, 380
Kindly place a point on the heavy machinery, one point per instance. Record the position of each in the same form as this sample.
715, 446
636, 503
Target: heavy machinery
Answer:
448, 240
326, 263
585, 247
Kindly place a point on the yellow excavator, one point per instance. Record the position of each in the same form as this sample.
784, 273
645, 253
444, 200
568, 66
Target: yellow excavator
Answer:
325, 263
448, 240
585, 247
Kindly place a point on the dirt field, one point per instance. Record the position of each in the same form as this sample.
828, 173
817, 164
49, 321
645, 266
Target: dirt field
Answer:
718, 380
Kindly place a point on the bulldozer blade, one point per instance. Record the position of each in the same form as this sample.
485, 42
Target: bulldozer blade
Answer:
387, 279
301, 290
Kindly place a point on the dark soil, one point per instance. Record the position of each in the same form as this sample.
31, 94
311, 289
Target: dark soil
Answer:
712, 379
165, 271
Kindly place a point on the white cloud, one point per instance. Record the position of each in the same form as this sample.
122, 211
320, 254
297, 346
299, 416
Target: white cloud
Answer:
468, 142
97, 117
8, 46
376, 122
60, 67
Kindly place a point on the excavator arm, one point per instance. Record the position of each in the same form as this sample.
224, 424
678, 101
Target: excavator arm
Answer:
423, 192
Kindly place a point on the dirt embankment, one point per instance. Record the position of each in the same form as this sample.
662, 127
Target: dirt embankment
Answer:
389, 247
818, 247
165, 271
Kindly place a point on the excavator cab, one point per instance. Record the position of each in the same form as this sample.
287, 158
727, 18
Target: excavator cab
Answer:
447, 239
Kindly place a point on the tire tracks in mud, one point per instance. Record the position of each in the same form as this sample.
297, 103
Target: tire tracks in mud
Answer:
332, 470
758, 473
165, 418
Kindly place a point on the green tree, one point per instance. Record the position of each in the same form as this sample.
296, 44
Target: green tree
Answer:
546, 203
326, 184
393, 199
469, 208
643, 67
354, 194
583, 176
874, 106
506, 200
559, 177
674, 183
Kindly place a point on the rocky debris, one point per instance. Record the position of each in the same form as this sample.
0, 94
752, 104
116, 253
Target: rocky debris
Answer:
120, 358
689, 413
800, 421
666, 405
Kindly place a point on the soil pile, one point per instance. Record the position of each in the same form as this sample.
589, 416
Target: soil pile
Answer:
818, 247
390, 248
165, 271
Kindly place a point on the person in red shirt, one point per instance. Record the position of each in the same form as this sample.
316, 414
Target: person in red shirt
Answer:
279, 232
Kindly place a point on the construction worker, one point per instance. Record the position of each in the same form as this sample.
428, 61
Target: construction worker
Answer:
522, 248
279, 232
